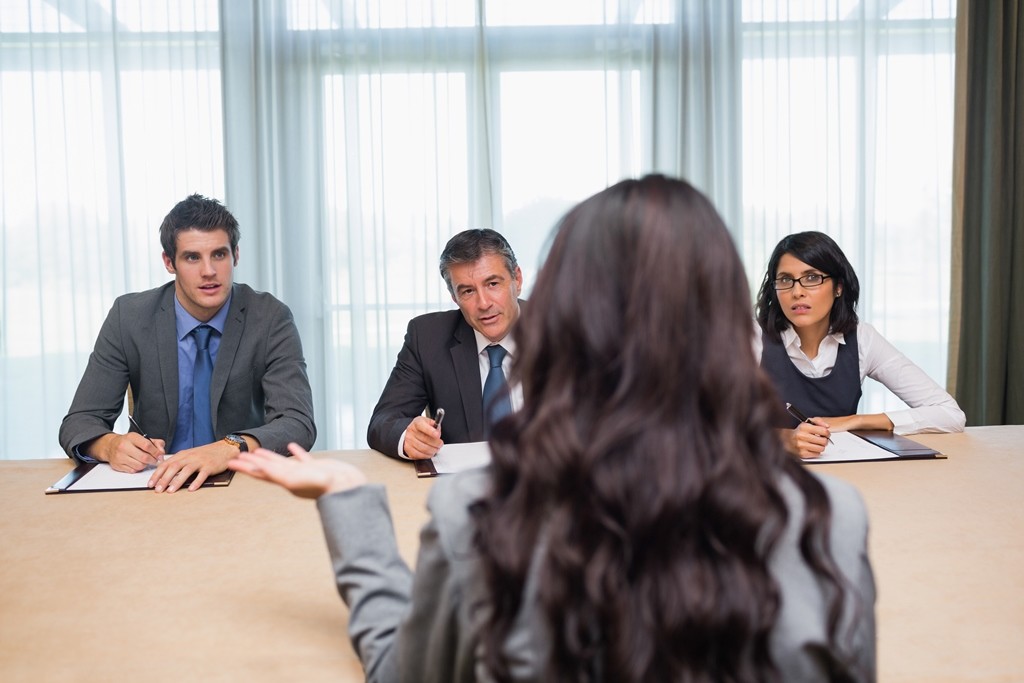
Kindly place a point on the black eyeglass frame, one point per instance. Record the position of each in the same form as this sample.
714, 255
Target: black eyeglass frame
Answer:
795, 280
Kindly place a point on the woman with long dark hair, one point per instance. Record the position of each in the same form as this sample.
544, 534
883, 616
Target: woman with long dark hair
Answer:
818, 353
640, 520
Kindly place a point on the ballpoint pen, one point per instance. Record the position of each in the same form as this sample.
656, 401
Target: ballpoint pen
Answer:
795, 412
144, 434
438, 418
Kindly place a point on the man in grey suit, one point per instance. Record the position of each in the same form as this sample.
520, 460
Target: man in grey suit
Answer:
446, 359
214, 367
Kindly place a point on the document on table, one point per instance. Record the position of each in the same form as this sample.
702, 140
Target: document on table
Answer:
454, 457
855, 447
100, 476
847, 447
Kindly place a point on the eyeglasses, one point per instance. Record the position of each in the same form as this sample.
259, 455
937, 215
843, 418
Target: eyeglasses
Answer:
809, 281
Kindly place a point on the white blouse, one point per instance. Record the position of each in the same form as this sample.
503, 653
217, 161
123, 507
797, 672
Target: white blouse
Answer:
931, 408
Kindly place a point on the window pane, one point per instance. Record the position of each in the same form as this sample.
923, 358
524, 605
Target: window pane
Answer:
196, 15
396, 183
564, 136
578, 12
304, 15
34, 16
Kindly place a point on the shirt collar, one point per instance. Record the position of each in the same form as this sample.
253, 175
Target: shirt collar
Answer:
791, 340
184, 322
483, 342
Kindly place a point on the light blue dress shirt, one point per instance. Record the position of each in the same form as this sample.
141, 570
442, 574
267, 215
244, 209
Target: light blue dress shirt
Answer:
184, 324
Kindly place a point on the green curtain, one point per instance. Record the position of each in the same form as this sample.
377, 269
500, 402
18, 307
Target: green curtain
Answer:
990, 362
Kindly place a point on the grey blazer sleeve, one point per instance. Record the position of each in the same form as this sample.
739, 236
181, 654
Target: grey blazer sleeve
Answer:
850, 549
287, 400
800, 644
404, 627
101, 392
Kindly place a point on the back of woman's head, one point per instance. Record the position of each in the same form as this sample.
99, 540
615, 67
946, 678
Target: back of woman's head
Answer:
641, 296
819, 251
643, 460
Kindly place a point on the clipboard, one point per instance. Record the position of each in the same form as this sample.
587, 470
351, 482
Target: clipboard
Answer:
88, 477
454, 457
863, 445
900, 446
424, 468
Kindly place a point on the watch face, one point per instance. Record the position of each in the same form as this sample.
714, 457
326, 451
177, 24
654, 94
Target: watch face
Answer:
238, 441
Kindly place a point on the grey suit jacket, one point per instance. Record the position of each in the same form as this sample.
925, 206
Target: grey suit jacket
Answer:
423, 627
437, 367
259, 385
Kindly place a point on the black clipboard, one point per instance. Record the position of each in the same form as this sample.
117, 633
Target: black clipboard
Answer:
64, 484
901, 447
424, 468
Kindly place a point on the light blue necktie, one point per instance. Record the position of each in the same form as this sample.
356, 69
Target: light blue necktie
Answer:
202, 421
497, 401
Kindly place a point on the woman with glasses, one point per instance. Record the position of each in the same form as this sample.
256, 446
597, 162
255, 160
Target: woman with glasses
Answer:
818, 353
640, 519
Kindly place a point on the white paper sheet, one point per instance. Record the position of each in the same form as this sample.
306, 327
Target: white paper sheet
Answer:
455, 457
102, 476
847, 447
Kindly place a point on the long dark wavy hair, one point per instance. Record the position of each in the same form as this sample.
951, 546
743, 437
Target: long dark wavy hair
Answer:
644, 461
820, 251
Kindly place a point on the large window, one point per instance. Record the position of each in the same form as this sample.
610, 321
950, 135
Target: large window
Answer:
354, 138
106, 119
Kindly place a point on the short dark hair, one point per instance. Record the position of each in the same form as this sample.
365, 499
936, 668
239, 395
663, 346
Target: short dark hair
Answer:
470, 246
197, 212
820, 251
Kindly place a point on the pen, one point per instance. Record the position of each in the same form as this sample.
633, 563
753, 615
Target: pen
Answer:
795, 412
144, 434
438, 418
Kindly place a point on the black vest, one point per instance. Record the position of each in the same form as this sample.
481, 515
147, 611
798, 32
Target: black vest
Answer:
837, 393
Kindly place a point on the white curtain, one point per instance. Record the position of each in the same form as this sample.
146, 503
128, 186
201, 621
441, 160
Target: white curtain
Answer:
351, 138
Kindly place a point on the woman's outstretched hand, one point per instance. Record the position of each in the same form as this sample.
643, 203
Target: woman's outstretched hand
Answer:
302, 474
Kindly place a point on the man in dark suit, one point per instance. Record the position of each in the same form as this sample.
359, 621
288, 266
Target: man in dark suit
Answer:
214, 367
447, 357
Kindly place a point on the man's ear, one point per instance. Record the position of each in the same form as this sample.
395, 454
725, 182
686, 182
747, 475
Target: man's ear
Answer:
168, 263
236, 256
519, 280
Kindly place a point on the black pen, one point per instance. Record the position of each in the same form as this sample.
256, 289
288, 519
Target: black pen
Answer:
792, 410
438, 418
144, 434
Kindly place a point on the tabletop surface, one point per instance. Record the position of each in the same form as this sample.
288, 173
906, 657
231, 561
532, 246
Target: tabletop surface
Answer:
235, 583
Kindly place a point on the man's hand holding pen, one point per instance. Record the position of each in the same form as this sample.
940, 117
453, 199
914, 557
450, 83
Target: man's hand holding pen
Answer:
423, 437
131, 452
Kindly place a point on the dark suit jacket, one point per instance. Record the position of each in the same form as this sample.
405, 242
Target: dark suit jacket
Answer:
436, 368
259, 384
424, 627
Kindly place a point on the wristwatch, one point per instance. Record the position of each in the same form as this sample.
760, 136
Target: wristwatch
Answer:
237, 440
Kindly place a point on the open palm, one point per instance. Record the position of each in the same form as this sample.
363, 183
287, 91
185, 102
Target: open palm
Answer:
302, 474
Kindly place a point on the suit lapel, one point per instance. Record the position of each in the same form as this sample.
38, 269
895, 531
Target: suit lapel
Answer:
167, 357
467, 374
232, 337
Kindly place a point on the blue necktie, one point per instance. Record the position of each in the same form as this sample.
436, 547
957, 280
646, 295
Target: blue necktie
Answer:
202, 422
497, 401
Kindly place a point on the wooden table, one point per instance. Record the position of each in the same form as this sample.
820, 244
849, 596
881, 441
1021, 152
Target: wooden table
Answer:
235, 584
947, 547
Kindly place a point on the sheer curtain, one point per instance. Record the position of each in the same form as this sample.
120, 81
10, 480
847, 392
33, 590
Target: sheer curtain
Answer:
107, 118
848, 129
352, 138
